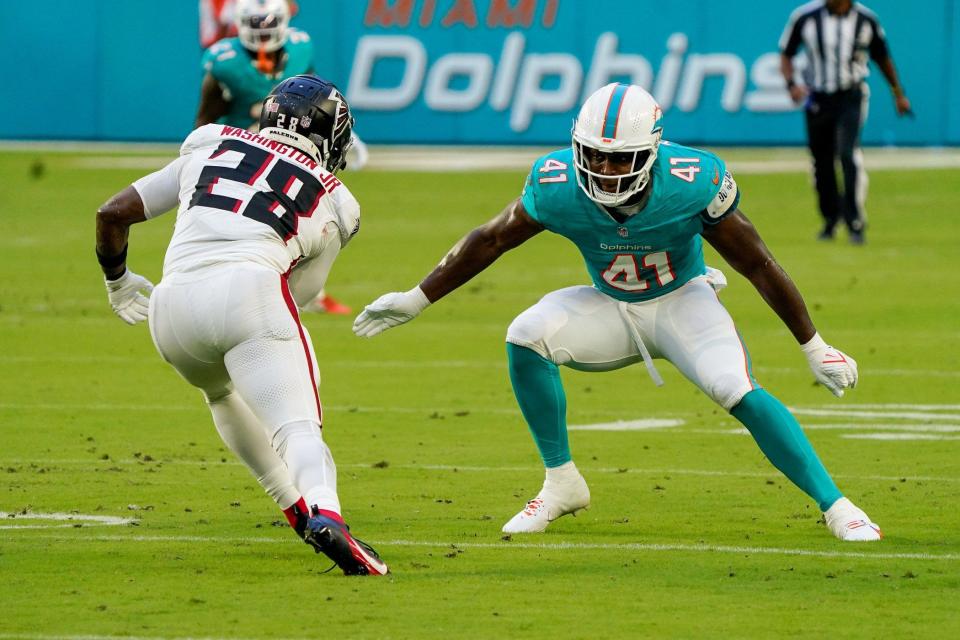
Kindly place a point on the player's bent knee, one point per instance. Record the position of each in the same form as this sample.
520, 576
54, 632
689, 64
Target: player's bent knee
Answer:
220, 394
528, 330
281, 437
728, 390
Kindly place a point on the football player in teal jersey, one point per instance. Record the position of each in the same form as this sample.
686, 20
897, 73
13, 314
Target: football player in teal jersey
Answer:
240, 72
638, 210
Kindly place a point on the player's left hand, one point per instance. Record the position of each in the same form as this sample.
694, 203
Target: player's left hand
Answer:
390, 310
359, 154
832, 368
126, 298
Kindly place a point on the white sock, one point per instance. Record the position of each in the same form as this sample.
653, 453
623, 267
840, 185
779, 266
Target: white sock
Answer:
245, 436
310, 463
567, 472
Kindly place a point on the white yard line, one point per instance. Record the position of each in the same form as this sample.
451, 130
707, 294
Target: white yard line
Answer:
628, 425
917, 407
896, 436
78, 517
906, 415
884, 426
42, 636
539, 546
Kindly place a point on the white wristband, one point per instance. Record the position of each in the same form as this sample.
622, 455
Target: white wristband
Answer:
419, 298
813, 344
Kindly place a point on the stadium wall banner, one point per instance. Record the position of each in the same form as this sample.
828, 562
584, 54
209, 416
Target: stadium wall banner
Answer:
505, 71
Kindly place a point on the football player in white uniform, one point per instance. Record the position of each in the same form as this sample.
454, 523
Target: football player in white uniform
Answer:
261, 219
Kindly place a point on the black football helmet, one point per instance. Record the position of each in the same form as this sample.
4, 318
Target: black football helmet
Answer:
314, 108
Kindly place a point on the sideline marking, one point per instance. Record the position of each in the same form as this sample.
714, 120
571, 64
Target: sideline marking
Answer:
72, 520
546, 546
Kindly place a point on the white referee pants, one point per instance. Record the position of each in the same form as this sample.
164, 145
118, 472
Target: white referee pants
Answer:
585, 329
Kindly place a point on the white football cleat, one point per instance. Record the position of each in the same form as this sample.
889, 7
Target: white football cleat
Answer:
554, 500
849, 523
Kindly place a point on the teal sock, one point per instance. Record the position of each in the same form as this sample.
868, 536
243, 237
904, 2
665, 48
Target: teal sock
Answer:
783, 442
539, 392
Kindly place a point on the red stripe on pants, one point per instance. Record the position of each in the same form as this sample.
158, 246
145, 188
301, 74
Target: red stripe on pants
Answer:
292, 306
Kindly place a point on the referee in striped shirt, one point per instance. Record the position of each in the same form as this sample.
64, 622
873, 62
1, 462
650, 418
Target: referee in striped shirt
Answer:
837, 37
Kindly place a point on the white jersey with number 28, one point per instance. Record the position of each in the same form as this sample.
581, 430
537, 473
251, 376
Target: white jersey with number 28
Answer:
245, 198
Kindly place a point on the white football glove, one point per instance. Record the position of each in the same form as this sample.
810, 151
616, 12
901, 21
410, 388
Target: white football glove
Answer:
832, 368
390, 310
358, 152
125, 297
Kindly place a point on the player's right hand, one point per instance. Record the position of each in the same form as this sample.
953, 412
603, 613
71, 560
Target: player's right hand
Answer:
831, 367
390, 310
126, 298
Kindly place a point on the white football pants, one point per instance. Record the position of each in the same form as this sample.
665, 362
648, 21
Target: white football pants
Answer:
584, 329
234, 332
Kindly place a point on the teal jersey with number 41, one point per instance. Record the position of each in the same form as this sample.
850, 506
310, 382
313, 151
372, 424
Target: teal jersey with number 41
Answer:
230, 63
653, 251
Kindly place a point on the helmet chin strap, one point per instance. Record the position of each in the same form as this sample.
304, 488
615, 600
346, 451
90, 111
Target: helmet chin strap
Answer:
293, 139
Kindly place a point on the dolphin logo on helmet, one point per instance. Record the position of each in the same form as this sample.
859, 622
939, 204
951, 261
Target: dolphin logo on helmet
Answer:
618, 118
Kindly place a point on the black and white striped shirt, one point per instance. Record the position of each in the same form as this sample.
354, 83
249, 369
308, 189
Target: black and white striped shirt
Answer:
836, 47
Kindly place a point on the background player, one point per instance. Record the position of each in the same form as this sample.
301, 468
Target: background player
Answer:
637, 209
240, 71
261, 219
217, 22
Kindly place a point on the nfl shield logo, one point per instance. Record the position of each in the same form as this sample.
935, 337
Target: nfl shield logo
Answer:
622, 232
306, 121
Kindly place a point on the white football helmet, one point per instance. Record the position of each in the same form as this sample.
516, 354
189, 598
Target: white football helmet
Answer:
262, 24
617, 118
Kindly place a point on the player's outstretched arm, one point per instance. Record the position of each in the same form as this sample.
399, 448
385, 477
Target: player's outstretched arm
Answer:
472, 254
124, 287
213, 105
736, 239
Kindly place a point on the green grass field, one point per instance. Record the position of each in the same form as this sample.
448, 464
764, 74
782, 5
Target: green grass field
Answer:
691, 535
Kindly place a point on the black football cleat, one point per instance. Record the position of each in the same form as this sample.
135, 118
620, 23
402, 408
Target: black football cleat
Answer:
332, 538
